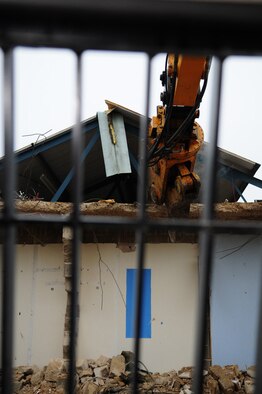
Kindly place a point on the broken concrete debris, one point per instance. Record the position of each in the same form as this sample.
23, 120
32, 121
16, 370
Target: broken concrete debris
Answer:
117, 366
114, 375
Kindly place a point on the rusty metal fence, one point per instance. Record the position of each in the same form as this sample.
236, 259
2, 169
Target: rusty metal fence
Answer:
211, 28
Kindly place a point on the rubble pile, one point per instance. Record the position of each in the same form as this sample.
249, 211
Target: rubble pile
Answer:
114, 375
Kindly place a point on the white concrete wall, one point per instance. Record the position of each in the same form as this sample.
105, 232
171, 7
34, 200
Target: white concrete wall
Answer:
41, 300
235, 295
174, 292
40, 304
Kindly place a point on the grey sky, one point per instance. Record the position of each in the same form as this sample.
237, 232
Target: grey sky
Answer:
45, 91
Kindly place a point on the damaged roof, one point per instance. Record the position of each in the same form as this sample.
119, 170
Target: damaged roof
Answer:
44, 170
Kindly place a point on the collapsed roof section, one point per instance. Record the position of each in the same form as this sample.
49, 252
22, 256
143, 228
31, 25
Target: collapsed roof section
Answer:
44, 170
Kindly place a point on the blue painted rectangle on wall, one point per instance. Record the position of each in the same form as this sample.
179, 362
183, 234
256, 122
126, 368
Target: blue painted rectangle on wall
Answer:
145, 329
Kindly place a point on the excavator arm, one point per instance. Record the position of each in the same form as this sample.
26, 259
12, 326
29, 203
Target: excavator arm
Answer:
174, 136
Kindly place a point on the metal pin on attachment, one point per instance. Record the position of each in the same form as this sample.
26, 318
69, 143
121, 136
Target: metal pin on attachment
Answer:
112, 133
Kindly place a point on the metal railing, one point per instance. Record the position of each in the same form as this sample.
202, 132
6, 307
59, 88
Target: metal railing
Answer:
211, 28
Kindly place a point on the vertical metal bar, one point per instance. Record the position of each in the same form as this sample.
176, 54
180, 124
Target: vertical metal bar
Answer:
140, 233
258, 381
77, 193
9, 231
206, 236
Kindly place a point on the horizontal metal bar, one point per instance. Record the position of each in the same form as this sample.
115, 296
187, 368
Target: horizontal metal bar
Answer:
219, 27
189, 225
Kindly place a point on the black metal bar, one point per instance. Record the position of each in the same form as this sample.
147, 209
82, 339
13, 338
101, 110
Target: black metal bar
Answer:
77, 231
140, 233
9, 234
258, 380
191, 225
207, 236
232, 26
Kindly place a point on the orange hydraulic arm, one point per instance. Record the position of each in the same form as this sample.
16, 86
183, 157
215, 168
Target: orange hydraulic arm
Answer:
174, 136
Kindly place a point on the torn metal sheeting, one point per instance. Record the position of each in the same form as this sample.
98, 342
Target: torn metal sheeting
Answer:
114, 143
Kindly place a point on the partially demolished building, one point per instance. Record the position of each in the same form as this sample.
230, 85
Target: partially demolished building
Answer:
108, 258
